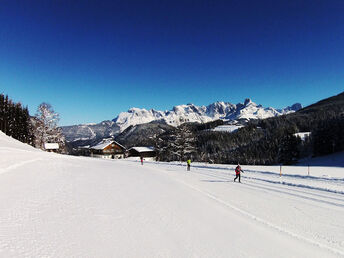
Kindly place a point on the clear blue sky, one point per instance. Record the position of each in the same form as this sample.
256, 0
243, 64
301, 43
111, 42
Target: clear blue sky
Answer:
91, 59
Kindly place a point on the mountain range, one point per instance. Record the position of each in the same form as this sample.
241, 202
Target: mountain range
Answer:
178, 115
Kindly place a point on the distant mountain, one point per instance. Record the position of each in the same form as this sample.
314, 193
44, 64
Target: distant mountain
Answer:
201, 114
272, 141
178, 115
88, 132
142, 134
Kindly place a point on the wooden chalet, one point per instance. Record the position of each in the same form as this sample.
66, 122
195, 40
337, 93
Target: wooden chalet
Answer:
108, 149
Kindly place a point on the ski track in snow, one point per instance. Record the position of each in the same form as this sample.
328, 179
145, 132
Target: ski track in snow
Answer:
19, 164
250, 215
283, 188
315, 195
260, 220
280, 180
279, 187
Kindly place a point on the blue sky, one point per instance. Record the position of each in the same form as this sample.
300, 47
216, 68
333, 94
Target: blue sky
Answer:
94, 59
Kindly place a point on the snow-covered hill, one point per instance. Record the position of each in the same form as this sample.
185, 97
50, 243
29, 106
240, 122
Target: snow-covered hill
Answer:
63, 206
178, 115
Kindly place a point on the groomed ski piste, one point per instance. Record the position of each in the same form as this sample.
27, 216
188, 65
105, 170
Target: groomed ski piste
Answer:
62, 206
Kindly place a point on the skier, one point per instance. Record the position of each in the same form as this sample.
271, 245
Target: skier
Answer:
188, 163
238, 170
141, 158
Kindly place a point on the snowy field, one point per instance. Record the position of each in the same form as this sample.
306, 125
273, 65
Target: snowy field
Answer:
61, 206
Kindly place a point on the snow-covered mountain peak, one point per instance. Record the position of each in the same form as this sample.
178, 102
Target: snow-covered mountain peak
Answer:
295, 107
137, 110
249, 102
176, 116
192, 113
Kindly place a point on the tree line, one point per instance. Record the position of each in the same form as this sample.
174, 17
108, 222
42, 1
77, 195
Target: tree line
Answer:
260, 142
15, 121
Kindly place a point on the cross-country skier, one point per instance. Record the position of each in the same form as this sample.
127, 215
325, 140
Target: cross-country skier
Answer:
141, 158
238, 170
188, 163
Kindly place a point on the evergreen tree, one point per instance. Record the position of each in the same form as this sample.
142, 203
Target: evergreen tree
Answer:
183, 143
289, 150
2, 112
15, 120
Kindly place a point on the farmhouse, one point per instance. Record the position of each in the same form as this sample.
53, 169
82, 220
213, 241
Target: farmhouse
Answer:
142, 152
108, 149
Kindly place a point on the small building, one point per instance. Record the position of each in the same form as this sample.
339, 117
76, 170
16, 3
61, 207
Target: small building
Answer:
303, 135
51, 147
108, 149
142, 152
82, 151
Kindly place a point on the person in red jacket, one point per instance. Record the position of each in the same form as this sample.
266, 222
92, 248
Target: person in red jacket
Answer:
238, 171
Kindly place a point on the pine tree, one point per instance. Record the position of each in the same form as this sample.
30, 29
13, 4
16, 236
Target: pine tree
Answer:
15, 120
2, 112
289, 149
182, 143
6, 115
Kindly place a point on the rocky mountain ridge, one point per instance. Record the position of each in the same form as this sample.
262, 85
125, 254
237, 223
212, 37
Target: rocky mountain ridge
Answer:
178, 115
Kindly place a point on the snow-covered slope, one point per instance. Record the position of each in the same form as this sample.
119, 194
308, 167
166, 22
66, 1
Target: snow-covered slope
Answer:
192, 113
8, 143
332, 160
63, 206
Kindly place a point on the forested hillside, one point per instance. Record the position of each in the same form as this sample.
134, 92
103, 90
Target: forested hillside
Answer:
267, 141
15, 120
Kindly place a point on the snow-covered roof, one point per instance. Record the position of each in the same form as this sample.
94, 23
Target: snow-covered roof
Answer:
227, 128
84, 147
303, 135
103, 144
142, 149
51, 146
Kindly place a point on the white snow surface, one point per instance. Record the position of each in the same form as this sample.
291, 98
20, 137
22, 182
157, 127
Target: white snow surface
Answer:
62, 206
333, 160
